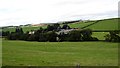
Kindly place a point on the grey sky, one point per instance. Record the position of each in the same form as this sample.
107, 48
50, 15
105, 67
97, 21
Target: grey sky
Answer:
18, 12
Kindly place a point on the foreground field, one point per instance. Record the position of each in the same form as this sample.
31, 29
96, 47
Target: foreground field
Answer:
22, 53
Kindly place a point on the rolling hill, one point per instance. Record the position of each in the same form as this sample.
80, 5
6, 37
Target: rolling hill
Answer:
106, 24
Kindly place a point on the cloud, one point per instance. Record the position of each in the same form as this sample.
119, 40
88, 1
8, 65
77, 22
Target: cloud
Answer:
15, 12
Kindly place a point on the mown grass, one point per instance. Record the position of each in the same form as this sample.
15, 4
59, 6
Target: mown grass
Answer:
22, 53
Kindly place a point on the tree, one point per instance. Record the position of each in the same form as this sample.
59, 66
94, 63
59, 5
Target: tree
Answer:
86, 35
50, 28
65, 26
56, 26
51, 36
42, 37
74, 35
17, 35
31, 38
113, 36
5, 33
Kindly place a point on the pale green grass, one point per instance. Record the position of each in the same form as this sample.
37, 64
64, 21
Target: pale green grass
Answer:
100, 35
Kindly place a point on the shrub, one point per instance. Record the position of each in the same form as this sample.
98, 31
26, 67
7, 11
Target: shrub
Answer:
86, 35
113, 36
74, 35
50, 36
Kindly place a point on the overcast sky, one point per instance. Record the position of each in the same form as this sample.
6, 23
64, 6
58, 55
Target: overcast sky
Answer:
20, 12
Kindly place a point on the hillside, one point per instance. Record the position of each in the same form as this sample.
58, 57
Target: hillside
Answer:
24, 28
106, 24
80, 24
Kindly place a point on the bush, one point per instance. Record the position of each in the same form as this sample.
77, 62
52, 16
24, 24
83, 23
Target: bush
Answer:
42, 37
86, 35
113, 36
74, 35
62, 37
50, 36
31, 38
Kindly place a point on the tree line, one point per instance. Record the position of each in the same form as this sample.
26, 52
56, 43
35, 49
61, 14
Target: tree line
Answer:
51, 34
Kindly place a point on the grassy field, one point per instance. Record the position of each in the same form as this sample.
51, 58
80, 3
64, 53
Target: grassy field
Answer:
22, 53
109, 24
100, 35
79, 25
25, 29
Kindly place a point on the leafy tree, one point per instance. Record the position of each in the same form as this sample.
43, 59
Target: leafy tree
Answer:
113, 36
42, 37
75, 35
56, 26
51, 36
65, 26
31, 38
86, 35
50, 28
5, 33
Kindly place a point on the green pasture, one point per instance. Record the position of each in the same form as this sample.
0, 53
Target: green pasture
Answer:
100, 35
109, 24
80, 24
25, 28
23, 53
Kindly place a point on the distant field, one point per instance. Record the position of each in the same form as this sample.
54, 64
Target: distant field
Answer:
22, 53
110, 24
79, 24
24, 29
100, 35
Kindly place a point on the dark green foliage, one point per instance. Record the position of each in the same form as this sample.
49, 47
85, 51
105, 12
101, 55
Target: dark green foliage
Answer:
51, 36
62, 37
74, 35
65, 26
31, 38
0, 33
5, 33
19, 30
50, 28
113, 36
25, 36
12, 36
77, 35
54, 27
17, 35
42, 37
86, 35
